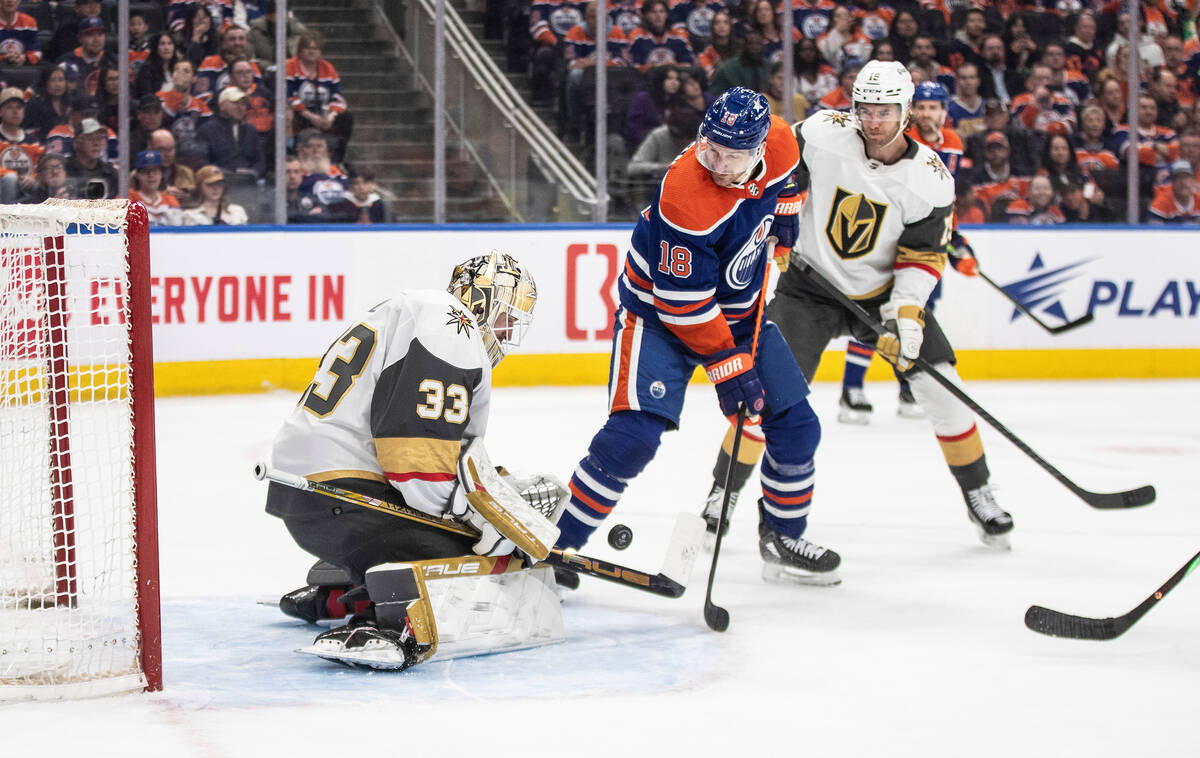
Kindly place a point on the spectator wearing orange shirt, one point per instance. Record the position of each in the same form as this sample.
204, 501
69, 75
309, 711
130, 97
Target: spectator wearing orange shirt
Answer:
185, 112
259, 100
840, 99
85, 63
1040, 107
19, 149
213, 73
1092, 154
1157, 145
995, 184
1177, 202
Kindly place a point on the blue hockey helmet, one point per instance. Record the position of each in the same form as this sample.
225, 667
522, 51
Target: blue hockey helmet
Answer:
739, 119
931, 91
732, 135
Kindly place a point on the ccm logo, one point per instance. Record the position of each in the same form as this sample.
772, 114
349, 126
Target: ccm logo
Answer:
452, 569
787, 207
617, 572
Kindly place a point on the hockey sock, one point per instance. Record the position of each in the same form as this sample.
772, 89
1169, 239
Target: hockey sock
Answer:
858, 358
749, 452
787, 470
972, 475
618, 453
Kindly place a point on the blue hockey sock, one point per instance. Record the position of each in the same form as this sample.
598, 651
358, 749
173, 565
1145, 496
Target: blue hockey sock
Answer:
858, 358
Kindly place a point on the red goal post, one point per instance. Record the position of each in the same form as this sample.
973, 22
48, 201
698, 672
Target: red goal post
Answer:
79, 604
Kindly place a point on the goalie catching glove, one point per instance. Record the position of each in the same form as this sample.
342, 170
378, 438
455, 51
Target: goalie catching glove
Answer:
905, 323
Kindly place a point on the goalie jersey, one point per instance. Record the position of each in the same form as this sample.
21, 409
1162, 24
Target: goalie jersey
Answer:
394, 399
867, 226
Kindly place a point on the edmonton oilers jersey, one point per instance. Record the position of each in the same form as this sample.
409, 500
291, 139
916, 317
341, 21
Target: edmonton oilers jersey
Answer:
695, 266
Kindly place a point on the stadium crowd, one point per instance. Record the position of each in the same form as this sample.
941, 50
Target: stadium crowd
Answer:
201, 131
1027, 98
1027, 103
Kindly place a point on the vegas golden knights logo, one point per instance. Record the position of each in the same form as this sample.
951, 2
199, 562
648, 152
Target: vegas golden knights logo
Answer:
854, 224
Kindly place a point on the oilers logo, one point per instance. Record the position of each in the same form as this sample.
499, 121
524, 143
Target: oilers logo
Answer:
15, 159
739, 273
328, 191
563, 18
699, 22
874, 27
814, 25
9, 46
626, 21
660, 56
658, 390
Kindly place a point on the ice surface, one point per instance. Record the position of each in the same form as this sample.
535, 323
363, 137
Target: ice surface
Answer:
921, 651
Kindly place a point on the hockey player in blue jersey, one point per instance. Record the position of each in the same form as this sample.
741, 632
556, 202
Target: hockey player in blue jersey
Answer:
689, 296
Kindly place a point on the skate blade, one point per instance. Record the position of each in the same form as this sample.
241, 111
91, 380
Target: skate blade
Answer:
910, 411
379, 659
781, 575
998, 542
851, 416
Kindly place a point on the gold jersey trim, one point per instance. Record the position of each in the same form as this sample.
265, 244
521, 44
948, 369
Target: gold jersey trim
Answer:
406, 455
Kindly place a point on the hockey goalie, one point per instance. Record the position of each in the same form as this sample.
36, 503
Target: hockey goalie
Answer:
444, 563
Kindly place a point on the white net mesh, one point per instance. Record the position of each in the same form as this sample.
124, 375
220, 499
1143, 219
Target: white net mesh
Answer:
68, 573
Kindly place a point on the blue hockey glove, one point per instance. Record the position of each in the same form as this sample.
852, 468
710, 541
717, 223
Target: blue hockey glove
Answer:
732, 372
786, 226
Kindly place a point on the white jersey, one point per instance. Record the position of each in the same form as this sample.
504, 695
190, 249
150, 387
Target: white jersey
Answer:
866, 225
393, 400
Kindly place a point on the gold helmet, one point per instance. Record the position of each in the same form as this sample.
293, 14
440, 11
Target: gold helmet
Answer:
500, 295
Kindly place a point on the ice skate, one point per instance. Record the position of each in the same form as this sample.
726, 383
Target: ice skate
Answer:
908, 406
796, 561
712, 514
853, 407
362, 643
993, 522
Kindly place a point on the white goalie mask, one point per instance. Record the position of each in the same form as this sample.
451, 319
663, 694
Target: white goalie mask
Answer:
883, 83
500, 295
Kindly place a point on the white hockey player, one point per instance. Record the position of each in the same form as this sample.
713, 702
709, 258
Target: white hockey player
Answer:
875, 225
398, 407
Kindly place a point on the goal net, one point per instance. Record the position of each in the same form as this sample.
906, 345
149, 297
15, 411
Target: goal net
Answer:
78, 542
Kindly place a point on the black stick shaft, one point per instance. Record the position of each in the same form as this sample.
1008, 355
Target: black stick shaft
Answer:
1141, 496
717, 617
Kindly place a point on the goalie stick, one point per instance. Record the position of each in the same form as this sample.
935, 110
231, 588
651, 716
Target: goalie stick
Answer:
1084, 319
1058, 624
1104, 500
686, 538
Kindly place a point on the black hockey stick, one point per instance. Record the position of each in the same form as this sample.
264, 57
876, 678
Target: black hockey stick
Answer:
1127, 499
1057, 624
670, 582
1084, 319
715, 616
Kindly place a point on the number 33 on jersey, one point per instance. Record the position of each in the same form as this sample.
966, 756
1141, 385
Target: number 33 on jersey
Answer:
392, 400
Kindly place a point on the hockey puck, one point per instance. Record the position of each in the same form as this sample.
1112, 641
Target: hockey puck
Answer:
620, 537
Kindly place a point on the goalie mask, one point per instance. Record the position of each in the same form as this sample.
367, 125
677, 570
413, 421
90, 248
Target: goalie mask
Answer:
883, 83
500, 295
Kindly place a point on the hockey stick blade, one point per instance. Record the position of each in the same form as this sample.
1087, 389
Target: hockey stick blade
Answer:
1085, 319
1058, 624
1128, 499
1103, 500
686, 540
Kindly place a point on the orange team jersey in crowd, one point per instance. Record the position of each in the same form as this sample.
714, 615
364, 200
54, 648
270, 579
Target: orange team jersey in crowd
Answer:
972, 215
212, 75
837, 100
876, 23
1165, 209
159, 213
176, 103
1021, 213
61, 140
1012, 188
948, 147
259, 113
1091, 161
19, 158
578, 46
1027, 113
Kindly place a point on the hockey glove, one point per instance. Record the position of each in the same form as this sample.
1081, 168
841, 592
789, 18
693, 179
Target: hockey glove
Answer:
962, 255
736, 380
786, 226
491, 543
905, 323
